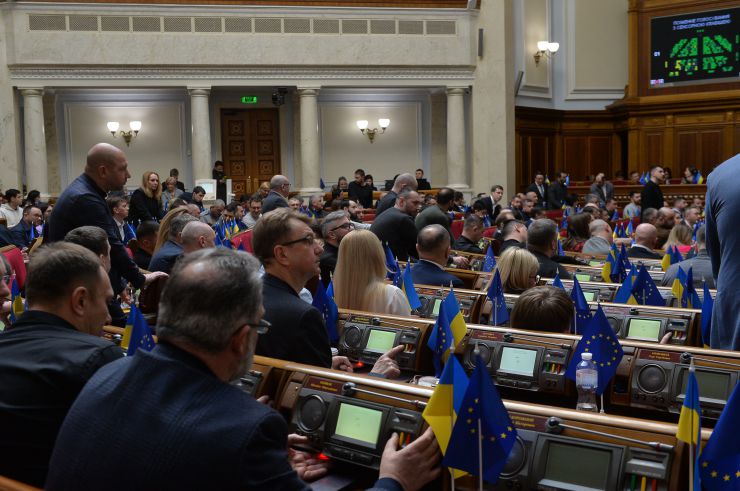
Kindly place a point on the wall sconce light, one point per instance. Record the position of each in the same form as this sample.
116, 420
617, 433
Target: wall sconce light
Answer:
370, 133
127, 136
545, 48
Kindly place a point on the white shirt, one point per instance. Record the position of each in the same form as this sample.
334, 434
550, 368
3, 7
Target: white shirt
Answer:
393, 303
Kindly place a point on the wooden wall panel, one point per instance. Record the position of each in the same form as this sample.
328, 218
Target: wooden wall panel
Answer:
575, 149
599, 154
653, 148
711, 148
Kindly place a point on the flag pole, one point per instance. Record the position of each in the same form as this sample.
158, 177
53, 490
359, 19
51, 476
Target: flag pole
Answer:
452, 427
480, 456
691, 440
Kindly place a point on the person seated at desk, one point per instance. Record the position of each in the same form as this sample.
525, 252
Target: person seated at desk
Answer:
165, 257
334, 227
433, 247
24, 231
146, 201
205, 433
601, 238
49, 354
513, 234
518, 269
578, 230
146, 238
359, 278
471, 235
542, 241
543, 308
288, 248
646, 236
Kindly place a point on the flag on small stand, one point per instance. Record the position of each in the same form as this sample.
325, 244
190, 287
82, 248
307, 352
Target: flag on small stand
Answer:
557, 282
564, 222
629, 230
444, 405
457, 323
624, 294
706, 316
671, 256
610, 265
617, 274
483, 435
499, 313
698, 178
407, 285
138, 334
440, 340
719, 462
325, 304
583, 311
321, 183
615, 216
560, 249
17, 305
490, 262
645, 291
394, 270
679, 283
644, 178
599, 340
689, 296
689, 425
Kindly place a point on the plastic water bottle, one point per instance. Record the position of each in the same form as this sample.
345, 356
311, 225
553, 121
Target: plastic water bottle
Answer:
587, 380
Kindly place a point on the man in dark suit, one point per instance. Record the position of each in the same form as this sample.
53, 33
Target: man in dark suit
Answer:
49, 354
422, 183
471, 235
25, 231
539, 186
204, 433
359, 191
646, 236
603, 189
542, 241
492, 202
164, 258
433, 245
388, 201
396, 226
334, 227
557, 192
651, 195
279, 192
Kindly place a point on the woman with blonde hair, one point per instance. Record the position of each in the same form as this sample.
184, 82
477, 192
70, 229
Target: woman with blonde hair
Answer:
170, 193
146, 204
518, 269
164, 226
359, 278
680, 237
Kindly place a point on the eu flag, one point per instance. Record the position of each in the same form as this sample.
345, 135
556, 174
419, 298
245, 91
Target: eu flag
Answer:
440, 340
689, 296
706, 315
321, 183
394, 270
564, 222
499, 314
557, 282
645, 291
490, 262
671, 256
583, 311
138, 334
325, 304
483, 425
599, 340
407, 285
560, 249
719, 462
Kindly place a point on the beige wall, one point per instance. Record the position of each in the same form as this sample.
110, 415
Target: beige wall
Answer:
535, 27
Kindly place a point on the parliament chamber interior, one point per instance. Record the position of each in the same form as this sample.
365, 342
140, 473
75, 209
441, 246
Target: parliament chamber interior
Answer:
409, 244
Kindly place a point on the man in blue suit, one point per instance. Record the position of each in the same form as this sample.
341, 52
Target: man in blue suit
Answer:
433, 246
723, 245
173, 420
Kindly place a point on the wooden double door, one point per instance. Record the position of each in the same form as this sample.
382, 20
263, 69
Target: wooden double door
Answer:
250, 147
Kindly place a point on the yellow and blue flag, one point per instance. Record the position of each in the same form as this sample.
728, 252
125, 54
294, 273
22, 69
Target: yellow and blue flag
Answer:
325, 304
599, 340
499, 313
407, 285
689, 423
671, 256
583, 311
719, 462
645, 291
444, 405
490, 262
707, 306
624, 294
679, 283
689, 296
610, 265
457, 322
629, 229
17, 305
138, 334
440, 340
698, 178
560, 249
484, 426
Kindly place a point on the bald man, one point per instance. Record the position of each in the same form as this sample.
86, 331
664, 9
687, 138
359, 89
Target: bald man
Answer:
601, 238
664, 222
83, 203
278, 196
402, 182
196, 236
646, 235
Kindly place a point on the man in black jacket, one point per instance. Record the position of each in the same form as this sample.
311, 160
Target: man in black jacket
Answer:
646, 236
542, 241
334, 227
471, 235
359, 191
279, 192
651, 195
557, 192
49, 354
396, 226
539, 186
388, 201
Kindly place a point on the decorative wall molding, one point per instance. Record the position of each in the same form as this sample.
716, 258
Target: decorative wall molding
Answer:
531, 89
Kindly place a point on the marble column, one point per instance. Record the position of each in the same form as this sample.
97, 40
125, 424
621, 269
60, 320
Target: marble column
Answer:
310, 171
35, 141
201, 139
456, 151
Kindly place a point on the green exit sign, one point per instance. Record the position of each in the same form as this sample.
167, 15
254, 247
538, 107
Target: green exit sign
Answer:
249, 99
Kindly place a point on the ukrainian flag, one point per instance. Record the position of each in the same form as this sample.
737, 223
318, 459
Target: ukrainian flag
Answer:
671, 256
679, 283
444, 405
407, 285
610, 264
17, 305
689, 423
457, 323
698, 178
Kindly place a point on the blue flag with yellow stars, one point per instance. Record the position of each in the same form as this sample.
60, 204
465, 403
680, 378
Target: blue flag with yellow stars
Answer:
440, 340
325, 304
645, 291
557, 282
394, 270
490, 262
599, 340
719, 462
583, 311
689, 296
321, 183
138, 334
482, 423
495, 292
707, 306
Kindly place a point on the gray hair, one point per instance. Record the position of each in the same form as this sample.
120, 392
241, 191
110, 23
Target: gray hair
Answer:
329, 220
219, 276
178, 223
597, 226
701, 235
277, 181
219, 202
541, 233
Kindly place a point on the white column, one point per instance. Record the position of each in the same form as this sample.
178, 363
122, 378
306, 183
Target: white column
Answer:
200, 120
456, 154
310, 172
35, 141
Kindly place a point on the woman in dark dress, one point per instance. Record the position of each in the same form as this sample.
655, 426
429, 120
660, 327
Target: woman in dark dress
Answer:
146, 202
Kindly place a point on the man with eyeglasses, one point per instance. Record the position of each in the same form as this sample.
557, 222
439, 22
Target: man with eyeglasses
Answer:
335, 226
279, 192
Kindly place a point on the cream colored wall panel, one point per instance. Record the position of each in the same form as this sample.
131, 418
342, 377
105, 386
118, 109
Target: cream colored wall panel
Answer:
535, 24
597, 48
159, 146
344, 148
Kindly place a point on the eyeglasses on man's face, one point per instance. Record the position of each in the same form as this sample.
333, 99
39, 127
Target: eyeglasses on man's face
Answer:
261, 326
345, 226
309, 240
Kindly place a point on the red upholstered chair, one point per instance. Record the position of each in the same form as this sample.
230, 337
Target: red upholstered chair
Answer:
15, 258
457, 228
489, 232
243, 238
